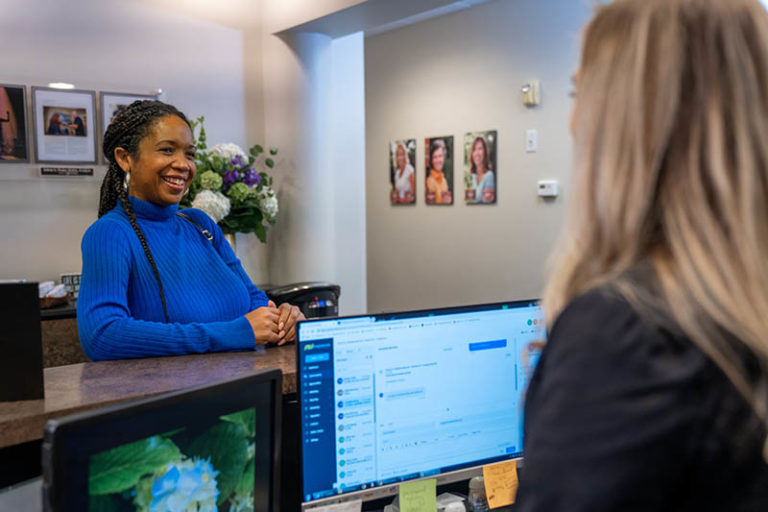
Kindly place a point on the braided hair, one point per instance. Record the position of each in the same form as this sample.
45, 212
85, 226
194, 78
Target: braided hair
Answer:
129, 126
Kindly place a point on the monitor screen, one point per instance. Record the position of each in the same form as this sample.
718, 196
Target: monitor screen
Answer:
400, 396
208, 448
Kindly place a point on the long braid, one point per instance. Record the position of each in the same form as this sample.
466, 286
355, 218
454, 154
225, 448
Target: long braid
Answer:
132, 219
130, 125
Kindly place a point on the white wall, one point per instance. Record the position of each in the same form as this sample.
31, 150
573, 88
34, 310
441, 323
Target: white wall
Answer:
111, 45
448, 76
347, 166
314, 111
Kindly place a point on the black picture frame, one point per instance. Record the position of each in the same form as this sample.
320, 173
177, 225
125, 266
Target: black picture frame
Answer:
110, 102
14, 124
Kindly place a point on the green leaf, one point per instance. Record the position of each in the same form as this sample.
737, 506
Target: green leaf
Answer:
173, 432
248, 480
245, 419
226, 445
273, 151
229, 221
120, 468
261, 233
269, 163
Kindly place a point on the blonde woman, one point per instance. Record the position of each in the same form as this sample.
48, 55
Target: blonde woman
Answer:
405, 178
651, 392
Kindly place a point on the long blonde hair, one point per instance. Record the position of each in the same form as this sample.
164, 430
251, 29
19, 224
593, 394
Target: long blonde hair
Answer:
671, 168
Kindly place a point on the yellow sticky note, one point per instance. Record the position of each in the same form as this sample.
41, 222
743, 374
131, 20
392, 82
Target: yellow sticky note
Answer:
419, 496
501, 483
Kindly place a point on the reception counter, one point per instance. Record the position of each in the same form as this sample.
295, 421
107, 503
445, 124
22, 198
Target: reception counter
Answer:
78, 387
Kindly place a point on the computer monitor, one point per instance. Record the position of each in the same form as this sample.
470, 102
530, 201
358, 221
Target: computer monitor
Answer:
395, 397
216, 445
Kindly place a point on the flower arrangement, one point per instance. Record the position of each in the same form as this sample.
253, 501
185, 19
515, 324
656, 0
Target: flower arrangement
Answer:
229, 187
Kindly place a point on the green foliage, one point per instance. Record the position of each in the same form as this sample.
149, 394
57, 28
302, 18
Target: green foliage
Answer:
120, 468
226, 445
248, 480
245, 419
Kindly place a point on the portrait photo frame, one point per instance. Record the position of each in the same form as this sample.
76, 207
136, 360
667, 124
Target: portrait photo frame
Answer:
111, 102
480, 172
438, 167
64, 123
402, 173
14, 125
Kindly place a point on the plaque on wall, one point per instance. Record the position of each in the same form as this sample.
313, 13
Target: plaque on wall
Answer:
64, 122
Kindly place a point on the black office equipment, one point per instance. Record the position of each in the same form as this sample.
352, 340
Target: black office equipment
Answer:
316, 300
212, 446
21, 352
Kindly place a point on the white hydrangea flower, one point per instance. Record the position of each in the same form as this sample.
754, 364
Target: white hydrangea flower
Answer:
229, 151
269, 205
215, 204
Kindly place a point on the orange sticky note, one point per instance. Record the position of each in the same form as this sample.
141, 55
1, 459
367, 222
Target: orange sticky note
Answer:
501, 483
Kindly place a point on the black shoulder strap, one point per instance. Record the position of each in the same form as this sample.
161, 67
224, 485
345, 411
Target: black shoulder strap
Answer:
207, 234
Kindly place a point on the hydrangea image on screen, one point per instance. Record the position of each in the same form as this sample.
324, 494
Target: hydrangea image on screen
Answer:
190, 469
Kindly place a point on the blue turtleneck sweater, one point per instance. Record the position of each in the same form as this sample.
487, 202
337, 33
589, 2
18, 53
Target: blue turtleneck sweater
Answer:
207, 292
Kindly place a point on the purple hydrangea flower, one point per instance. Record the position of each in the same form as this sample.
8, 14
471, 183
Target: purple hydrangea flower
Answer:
229, 177
237, 162
252, 177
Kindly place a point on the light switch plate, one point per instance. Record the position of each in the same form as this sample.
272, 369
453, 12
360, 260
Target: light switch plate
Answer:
531, 141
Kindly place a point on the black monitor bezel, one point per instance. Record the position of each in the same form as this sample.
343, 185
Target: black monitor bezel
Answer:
64, 437
448, 310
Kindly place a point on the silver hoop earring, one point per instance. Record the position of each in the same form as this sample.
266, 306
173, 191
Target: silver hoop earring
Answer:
126, 181
186, 191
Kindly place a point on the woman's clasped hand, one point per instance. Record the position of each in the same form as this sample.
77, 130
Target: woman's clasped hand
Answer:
275, 324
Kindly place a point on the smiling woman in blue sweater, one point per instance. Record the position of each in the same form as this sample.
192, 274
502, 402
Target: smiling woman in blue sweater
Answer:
153, 283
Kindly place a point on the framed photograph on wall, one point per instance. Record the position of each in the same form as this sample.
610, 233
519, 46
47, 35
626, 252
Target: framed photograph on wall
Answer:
112, 102
438, 160
13, 124
64, 122
402, 176
480, 172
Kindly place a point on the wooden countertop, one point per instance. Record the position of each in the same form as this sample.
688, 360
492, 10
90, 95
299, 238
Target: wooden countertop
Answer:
78, 387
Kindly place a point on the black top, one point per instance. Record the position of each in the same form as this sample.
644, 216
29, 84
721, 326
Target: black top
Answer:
623, 415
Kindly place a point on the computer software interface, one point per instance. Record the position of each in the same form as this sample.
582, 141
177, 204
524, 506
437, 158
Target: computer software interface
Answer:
389, 398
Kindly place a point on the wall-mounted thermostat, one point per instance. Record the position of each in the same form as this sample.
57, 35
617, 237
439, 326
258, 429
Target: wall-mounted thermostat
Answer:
548, 188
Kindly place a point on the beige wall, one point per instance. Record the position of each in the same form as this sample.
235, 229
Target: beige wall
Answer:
448, 76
